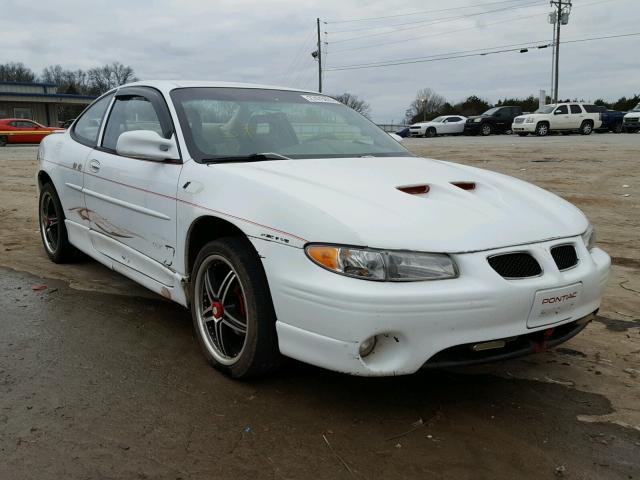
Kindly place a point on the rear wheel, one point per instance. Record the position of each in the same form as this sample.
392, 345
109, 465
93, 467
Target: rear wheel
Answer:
617, 128
486, 129
3, 140
586, 128
542, 129
430, 132
52, 228
232, 310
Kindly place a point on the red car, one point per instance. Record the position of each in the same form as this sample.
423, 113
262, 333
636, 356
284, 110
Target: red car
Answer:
19, 130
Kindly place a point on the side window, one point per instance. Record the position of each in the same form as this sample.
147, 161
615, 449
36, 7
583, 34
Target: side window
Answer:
561, 110
87, 127
576, 109
128, 114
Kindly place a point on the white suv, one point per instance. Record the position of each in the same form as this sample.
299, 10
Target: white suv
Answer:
561, 117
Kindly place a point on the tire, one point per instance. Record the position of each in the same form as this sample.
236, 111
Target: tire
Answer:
522, 134
586, 128
542, 129
53, 231
430, 132
3, 140
617, 128
232, 311
486, 129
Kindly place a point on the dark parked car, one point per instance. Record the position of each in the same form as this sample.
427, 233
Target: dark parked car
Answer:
404, 132
494, 120
611, 119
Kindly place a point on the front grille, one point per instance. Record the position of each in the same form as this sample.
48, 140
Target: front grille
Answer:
515, 265
631, 120
565, 256
518, 120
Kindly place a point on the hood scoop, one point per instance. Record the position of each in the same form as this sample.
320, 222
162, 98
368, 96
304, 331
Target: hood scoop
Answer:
414, 189
465, 185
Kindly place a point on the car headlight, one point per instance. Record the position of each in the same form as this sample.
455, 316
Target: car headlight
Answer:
382, 265
476, 120
589, 237
529, 120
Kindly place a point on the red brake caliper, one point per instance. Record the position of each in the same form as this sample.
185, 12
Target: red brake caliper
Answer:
217, 309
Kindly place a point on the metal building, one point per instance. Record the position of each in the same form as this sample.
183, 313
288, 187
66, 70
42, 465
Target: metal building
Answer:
36, 101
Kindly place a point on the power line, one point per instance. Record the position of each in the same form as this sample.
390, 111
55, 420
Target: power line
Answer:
439, 54
418, 13
395, 42
433, 22
454, 55
518, 3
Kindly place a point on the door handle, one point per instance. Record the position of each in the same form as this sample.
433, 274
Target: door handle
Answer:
94, 165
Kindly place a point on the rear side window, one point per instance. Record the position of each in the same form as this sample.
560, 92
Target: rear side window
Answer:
593, 108
576, 109
87, 127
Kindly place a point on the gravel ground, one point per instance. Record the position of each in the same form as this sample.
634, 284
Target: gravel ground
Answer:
101, 379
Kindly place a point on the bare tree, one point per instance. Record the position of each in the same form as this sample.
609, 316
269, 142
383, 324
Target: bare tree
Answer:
110, 76
16, 72
355, 103
426, 102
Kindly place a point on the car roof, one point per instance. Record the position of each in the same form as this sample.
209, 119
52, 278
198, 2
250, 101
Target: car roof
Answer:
168, 85
17, 120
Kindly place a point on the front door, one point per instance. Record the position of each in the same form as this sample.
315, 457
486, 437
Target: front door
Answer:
560, 118
132, 202
576, 116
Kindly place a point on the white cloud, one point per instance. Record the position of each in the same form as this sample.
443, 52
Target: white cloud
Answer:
271, 41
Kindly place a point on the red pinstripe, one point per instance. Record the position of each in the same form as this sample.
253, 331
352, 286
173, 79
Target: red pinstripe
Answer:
218, 212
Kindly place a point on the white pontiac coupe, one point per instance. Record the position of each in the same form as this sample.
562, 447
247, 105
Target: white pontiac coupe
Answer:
443, 125
292, 225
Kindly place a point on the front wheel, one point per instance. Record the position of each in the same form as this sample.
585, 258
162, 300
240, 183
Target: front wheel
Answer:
542, 130
232, 310
430, 132
586, 128
486, 129
3, 140
52, 228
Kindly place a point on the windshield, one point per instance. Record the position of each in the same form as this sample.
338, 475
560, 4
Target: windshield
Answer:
491, 111
545, 109
238, 122
438, 119
636, 108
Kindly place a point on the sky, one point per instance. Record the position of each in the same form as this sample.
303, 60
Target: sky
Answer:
270, 42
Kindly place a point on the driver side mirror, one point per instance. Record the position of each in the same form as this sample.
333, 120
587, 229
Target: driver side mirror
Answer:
557, 112
147, 145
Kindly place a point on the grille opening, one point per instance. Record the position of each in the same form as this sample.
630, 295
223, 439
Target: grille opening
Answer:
565, 256
515, 265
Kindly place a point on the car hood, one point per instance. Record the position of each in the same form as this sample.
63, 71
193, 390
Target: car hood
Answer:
357, 201
423, 124
477, 116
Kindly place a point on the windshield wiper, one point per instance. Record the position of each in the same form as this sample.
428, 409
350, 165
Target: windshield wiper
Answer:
254, 157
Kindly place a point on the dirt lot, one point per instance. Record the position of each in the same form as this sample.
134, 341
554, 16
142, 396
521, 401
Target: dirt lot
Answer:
101, 379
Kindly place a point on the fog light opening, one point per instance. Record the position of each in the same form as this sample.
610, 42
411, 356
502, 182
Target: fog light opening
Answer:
367, 346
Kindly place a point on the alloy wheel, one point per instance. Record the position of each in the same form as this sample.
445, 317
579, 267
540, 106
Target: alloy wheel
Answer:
221, 309
49, 223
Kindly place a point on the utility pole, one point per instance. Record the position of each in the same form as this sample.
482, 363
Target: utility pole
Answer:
563, 9
320, 57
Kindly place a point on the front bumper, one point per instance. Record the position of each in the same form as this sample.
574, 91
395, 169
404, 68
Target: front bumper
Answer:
416, 132
523, 127
323, 317
472, 128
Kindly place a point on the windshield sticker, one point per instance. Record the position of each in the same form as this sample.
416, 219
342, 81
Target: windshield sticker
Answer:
319, 99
